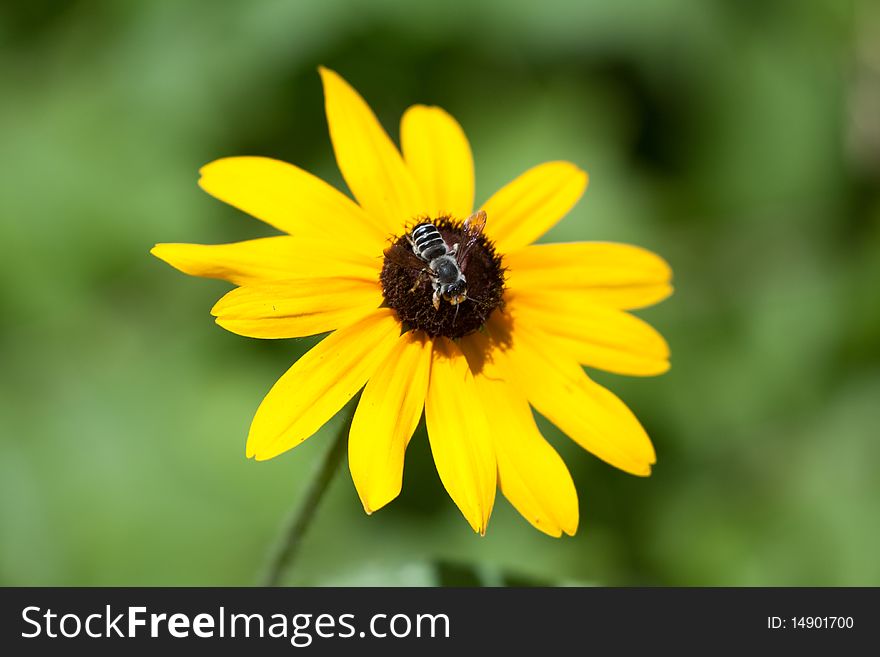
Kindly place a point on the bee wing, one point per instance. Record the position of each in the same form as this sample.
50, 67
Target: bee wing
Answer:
472, 229
403, 257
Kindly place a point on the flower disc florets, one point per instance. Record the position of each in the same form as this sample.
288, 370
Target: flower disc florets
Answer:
409, 289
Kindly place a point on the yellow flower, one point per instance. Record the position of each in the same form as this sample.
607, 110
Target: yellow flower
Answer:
534, 314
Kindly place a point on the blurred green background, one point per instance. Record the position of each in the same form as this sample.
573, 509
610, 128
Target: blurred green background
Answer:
740, 139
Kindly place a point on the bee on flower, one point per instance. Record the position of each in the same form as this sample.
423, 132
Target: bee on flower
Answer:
432, 305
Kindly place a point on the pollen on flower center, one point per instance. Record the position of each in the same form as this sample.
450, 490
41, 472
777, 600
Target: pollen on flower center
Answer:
408, 285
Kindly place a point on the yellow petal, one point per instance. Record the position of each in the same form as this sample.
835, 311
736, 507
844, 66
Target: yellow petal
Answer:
526, 208
296, 308
369, 161
386, 416
531, 474
601, 337
617, 275
270, 258
292, 200
320, 383
438, 153
459, 435
560, 390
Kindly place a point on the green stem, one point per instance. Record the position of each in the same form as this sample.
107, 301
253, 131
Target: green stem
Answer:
285, 551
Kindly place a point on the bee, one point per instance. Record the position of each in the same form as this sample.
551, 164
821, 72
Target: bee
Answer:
442, 263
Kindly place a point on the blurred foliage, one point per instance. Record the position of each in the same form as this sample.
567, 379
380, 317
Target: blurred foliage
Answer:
740, 139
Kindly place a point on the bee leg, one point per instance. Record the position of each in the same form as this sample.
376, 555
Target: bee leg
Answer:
436, 299
454, 249
419, 280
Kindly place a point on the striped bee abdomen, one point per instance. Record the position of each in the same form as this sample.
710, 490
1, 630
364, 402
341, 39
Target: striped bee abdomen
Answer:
427, 242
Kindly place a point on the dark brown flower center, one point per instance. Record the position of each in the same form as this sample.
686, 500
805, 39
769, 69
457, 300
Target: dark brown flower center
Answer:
409, 284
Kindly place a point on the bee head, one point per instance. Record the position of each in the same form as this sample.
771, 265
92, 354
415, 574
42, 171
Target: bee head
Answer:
455, 292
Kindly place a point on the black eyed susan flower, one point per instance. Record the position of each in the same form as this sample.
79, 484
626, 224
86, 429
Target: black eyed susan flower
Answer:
476, 360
